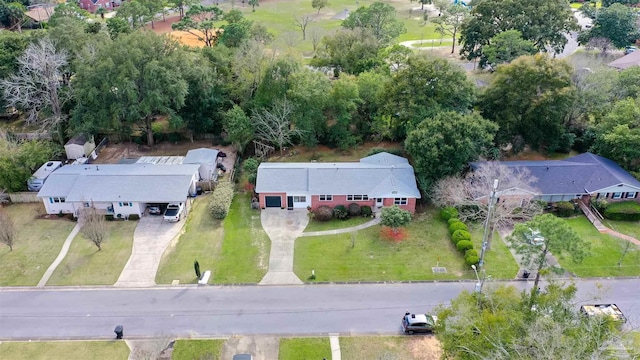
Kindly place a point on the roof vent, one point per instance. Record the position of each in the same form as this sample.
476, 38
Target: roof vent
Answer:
547, 168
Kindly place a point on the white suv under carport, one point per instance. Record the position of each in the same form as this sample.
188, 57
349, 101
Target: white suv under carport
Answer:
173, 212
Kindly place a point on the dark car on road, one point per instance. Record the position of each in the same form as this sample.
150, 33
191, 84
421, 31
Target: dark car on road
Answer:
418, 323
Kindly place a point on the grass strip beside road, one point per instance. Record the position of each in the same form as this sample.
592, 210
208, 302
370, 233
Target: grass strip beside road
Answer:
85, 265
315, 225
64, 350
37, 244
390, 347
197, 349
304, 349
498, 260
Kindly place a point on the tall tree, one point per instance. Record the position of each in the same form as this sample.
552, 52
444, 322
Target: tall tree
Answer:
504, 48
277, 80
319, 4
153, 7
145, 79
309, 94
93, 225
544, 22
618, 134
18, 161
12, 45
12, 15
343, 102
7, 230
180, 5
350, 51
238, 127
530, 98
134, 12
200, 22
380, 18
443, 145
450, 21
237, 30
253, 4
302, 22
273, 125
617, 23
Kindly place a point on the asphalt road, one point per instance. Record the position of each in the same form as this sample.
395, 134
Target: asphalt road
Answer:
248, 310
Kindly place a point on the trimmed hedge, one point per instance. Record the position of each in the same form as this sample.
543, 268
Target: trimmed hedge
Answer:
457, 226
459, 235
448, 212
378, 150
471, 257
452, 220
323, 213
366, 211
464, 245
341, 212
565, 208
625, 210
354, 209
221, 200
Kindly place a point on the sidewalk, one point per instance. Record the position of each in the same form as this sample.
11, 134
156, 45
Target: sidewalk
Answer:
61, 255
370, 223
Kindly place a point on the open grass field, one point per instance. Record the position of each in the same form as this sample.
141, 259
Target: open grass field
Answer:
372, 258
64, 350
606, 252
197, 349
38, 242
315, 225
85, 265
390, 347
304, 349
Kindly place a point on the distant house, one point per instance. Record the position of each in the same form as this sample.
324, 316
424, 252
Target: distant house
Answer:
208, 161
627, 61
120, 190
79, 146
93, 5
583, 177
378, 180
39, 13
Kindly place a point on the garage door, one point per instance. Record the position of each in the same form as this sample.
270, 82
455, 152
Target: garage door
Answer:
273, 201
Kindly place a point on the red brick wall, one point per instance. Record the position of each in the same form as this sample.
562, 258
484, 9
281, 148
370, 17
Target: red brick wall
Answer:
338, 200
263, 202
411, 204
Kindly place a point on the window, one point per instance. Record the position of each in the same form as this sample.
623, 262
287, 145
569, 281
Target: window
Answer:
400, 201
357, 197
126, 204
299, 199
87, 205
631, 195
617, 196
57, 200
326, 197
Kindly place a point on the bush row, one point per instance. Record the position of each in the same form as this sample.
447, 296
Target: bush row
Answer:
460, 235
325, 213
221, 200
625, 210
565, 208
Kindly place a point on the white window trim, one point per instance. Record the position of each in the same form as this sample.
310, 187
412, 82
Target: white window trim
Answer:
631, 195
617, 195
400, 201
299, 199
325, 197
362, 198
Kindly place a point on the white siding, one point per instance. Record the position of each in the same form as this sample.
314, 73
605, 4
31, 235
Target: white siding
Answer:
74, 151
616, 189
299, 204
56, 207
125, 208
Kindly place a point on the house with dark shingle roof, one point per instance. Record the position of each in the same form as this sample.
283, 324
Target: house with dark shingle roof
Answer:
378, 180
579, 177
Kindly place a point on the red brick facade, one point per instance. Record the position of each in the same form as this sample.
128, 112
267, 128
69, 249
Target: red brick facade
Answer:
339, 200
283, 199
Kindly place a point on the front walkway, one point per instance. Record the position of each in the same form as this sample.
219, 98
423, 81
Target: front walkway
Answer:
595, 221
151, 238
370, 223
60, 257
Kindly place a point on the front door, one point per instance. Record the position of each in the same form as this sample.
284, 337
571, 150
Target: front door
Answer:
289, 202
378, 202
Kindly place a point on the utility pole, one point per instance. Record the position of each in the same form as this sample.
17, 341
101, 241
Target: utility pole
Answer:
487, 223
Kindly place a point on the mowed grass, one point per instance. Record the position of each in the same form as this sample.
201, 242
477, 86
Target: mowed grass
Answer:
631, 228
201, 238
390, 347
244, 254
606, 252
197, 349
85, 265
498, 260
37, 243
325, 154
315, 225
304, 349
64, 350
372, 258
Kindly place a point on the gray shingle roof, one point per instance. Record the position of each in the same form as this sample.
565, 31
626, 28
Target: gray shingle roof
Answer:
133, 182
380, 175
201, 156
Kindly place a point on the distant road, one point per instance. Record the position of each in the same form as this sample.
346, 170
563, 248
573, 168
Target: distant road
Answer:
249, 310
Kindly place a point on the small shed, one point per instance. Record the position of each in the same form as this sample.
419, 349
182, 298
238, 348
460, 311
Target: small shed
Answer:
79, 146
207, 159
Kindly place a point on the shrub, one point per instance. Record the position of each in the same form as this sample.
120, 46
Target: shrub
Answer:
133, 217
251, 178
109, 217
251, 165
625, 210
452, 220
565, 208
457, 226
366, 211
323, 213
354, 209
378, 150
459, 235
341, 212
471, 252
600, 204
448, 213
221, 200
471, 257
464, 245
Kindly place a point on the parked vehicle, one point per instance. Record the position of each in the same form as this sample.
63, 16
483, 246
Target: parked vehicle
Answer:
38, 178
418, 323
154, 209
611, 310
173, 212
242, 357
629, 49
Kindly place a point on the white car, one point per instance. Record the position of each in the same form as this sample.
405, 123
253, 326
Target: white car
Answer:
173, 212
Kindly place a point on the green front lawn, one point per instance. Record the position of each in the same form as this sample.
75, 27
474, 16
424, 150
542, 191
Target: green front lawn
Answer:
606, 251
315, 225
631, 228
197, 349
64, 350
37, 244
85, 265
375, 259
390, 347
304, 349
498, 260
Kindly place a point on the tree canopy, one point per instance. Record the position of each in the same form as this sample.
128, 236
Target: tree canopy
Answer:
380, 18
617, 23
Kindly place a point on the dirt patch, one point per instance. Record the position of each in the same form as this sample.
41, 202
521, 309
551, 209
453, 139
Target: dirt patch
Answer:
164, 27
425, 348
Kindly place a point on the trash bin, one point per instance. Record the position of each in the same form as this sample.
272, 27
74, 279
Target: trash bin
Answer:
119, 332
525, 274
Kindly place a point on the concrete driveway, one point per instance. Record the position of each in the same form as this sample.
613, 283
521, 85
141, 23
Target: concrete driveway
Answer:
261, 347
151, 238
282, 227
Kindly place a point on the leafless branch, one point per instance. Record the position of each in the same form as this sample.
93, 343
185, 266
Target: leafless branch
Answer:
93, 225
274, 125
302, 22
7, 230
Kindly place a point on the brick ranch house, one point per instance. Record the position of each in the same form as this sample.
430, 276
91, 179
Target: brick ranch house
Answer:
93, 5
378, 180
580, 177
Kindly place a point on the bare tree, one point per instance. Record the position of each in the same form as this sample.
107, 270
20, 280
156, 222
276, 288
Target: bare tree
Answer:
302, 22
289, 39
38, 86
316, 35
601, 43
470, 194
7, 230
93, 225
274, 125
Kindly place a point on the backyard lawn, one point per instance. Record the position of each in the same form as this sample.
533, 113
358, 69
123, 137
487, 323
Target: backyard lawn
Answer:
371, 258
64, 350
390, 347
85, 265
304, 349
606, 252
315, 225
325, 154
37, 243
197, 349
